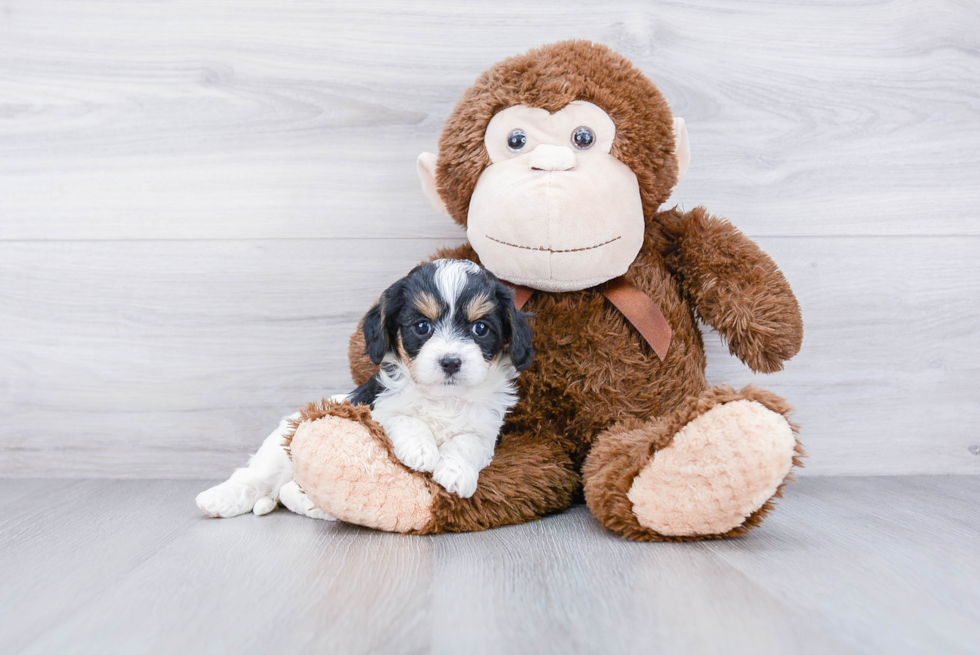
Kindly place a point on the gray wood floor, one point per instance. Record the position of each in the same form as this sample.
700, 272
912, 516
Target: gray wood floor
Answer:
875, 565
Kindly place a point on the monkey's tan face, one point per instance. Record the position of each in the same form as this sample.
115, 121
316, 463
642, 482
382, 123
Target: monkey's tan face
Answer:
555, 210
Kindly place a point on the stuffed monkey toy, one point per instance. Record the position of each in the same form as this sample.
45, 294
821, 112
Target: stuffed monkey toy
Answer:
557, 162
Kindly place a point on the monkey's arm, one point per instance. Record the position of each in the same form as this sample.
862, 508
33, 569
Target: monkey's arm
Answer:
735, 287
361, 366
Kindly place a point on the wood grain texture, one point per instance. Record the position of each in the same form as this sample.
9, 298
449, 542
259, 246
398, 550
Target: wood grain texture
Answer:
154, 356
174, 359
848, 565
190, 119
199, 199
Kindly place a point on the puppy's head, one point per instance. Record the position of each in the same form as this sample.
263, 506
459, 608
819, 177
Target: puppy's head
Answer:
448, 321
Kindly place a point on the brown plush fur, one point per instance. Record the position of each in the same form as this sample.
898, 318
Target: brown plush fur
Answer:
597, 398
361, 366
548, 479
549, 78
734, 287
533, 463
619, 454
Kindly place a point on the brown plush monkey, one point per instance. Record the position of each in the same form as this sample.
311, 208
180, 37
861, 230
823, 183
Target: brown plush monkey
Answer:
557, 162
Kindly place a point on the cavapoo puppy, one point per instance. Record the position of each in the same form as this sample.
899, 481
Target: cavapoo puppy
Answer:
450, 344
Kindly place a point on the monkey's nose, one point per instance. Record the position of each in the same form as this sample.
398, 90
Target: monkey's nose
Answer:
552, 158
450, 364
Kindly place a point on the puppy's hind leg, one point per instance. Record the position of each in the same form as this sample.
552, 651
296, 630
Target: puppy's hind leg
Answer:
254, 488
295, 500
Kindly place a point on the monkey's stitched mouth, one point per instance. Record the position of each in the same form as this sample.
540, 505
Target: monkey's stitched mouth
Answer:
543, 249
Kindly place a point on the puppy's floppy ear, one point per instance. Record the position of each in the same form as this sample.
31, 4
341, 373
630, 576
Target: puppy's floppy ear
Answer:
375, 334
380, 323
521, 337
517, 329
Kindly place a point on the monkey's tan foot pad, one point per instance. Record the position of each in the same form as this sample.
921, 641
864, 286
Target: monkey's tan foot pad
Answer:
347, 469
718, 470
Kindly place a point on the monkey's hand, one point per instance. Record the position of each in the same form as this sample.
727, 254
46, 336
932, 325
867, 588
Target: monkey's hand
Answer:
735, 287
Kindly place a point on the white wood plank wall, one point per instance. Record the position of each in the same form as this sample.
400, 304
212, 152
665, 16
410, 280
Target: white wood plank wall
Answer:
199, 199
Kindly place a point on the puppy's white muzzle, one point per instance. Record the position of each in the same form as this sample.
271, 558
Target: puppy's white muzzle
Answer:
448, 360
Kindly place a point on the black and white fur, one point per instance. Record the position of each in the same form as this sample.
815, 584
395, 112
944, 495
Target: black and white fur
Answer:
441, 394
450, 344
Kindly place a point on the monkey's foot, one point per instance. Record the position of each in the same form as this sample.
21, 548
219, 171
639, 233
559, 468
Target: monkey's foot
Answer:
709, 469
346, 465
719, 469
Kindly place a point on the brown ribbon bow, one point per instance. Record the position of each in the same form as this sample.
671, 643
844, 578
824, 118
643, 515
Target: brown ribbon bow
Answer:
635, 305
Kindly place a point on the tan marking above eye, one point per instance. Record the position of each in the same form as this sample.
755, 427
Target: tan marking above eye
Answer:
478, 307
427, 304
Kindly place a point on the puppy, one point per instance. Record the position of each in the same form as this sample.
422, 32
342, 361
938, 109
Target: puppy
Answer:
450, 344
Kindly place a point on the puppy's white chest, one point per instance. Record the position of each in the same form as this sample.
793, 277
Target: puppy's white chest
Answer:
447, 412
446, 420
445, 417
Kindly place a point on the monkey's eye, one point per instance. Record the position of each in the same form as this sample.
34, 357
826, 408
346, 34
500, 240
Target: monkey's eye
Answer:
480, 329
583, 138
422, 328
516, 140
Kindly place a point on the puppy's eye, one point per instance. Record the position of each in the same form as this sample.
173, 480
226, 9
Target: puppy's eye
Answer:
583, 138
516, 140
422, 328
480, 329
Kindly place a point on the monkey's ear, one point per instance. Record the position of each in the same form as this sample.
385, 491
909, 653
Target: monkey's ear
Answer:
427, 173
682, 148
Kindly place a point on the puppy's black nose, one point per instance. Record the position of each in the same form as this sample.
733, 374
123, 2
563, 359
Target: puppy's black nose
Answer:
450, 364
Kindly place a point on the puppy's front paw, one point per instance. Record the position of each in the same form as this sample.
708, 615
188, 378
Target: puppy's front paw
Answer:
456, 476
419, 453
415, 447
227, 499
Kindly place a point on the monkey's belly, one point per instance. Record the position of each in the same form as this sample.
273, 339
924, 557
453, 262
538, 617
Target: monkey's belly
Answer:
594, 369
